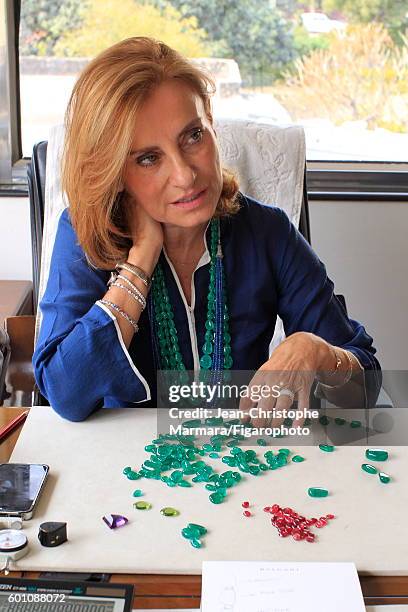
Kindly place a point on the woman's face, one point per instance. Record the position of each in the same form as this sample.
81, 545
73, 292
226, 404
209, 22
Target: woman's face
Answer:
173, 170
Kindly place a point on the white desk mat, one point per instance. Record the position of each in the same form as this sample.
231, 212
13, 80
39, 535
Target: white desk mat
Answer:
86, 461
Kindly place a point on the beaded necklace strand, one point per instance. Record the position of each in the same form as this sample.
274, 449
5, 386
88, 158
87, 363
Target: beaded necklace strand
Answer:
216, 351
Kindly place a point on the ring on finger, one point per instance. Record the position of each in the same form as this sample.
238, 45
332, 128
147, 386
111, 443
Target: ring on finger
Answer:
287, 392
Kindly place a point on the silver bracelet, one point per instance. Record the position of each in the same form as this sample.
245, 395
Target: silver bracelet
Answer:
114, 277
141, 274
122, 313
135, 296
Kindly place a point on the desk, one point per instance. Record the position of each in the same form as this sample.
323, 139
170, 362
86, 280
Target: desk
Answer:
16, 298
183, 591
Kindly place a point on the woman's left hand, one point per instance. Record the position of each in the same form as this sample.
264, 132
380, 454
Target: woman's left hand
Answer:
289, 375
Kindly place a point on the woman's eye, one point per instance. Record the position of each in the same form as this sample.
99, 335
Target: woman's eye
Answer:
147, 160
196, 135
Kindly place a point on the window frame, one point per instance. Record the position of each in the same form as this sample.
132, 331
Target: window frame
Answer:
326, 180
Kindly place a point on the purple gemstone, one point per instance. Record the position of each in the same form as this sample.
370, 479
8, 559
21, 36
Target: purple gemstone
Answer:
115, 520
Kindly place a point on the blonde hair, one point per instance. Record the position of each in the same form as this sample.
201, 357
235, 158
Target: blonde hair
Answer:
99, 126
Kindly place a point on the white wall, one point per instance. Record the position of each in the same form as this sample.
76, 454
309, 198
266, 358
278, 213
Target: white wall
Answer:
363, 244
15, 239
365, 248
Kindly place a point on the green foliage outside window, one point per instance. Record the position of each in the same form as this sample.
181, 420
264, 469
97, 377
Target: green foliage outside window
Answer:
43, 22
105, 23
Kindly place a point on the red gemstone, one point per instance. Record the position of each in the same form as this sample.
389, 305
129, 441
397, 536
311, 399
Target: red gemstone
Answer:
320, 524
247, 513
275, 508
288, 510
323, 520
296, 536
312, 521
283, 533
330, 516
267, 509
245, 504
310, 537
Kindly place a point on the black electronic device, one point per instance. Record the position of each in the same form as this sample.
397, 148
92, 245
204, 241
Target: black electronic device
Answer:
20, 488
56, 595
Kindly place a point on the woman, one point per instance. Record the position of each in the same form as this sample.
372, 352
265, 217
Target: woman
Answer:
147, 194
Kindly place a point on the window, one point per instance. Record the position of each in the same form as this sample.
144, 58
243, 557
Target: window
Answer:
341, 72
337, 67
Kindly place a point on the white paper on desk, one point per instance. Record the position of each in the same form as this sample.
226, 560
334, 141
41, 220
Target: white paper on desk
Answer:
237, 586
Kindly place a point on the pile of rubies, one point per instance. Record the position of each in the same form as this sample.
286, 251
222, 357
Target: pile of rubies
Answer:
290, 523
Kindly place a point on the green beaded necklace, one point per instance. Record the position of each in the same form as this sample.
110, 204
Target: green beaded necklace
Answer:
217, 345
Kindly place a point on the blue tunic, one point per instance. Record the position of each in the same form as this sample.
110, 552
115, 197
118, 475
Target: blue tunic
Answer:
82, 364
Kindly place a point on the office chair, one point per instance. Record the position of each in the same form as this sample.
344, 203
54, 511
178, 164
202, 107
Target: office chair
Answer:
275, 156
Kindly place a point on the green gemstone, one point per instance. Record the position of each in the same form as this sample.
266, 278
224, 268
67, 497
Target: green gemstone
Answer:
297, 459
187, 533
384, 477
376, 454
192, 423
201, 530
150, 448
208, 348
250, 455
324, 420
196, 543
210, 487
177, 476
339, 421
169, 511
228, 362
214, 421
126, 470
142, 505
317, 492
284, 451
133, 475
137, 493
216, 498
214, 455
231, 461
327, 448
370, 469
184, 483
355, 424
206, 362
261, 442
254, 470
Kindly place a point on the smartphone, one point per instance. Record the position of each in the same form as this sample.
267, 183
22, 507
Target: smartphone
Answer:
20, 488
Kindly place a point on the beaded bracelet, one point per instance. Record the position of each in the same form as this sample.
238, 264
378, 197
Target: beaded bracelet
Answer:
114, 278
141, 274
135, 296
121, 312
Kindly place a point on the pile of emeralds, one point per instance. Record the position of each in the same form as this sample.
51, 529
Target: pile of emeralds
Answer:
182, 457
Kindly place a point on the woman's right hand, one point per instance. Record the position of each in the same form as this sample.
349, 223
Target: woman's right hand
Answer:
147, 236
